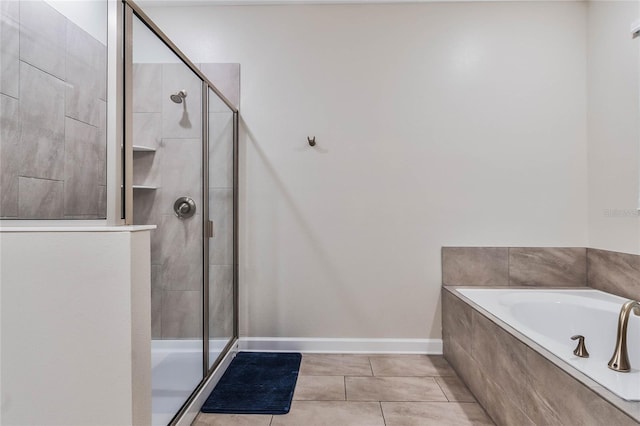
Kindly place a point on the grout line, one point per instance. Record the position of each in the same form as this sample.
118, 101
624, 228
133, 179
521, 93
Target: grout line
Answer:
62, 80
382, 412
344, 380
11, 97
508, 266
81, 121
586, 267
441, 389
40, 178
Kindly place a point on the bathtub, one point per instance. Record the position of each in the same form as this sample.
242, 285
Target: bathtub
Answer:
551, 317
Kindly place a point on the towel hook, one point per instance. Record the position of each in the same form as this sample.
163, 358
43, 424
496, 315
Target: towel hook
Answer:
312, 141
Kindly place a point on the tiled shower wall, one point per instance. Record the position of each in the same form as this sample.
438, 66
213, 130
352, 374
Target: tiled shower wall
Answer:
227, 80
52, 115
174, 131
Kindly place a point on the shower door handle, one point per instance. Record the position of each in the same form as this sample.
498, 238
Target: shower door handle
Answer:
210, 231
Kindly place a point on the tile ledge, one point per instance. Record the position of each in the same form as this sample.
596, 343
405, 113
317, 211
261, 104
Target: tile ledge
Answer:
48, 228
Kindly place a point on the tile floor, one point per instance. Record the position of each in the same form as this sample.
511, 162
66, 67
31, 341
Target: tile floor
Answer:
370, 390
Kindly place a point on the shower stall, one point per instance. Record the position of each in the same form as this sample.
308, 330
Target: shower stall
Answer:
180, 174
105, 122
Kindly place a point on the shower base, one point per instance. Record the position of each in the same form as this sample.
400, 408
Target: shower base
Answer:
176, 370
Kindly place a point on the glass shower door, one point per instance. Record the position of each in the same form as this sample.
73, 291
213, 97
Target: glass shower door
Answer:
167, 192
221, 213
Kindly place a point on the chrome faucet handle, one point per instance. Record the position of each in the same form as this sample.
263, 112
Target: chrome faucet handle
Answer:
581, 349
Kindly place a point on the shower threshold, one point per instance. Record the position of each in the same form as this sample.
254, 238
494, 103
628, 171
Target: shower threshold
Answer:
176, 370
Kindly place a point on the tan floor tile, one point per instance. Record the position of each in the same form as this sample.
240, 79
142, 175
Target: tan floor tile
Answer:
434, 413
331, 413
319, 388
205, 419
410, 365
393, 389
455, 389
335, 365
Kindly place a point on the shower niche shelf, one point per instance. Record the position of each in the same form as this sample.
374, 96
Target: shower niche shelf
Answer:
145, 187
142, 148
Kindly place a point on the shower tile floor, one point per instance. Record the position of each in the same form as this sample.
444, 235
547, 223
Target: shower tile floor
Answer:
370, 390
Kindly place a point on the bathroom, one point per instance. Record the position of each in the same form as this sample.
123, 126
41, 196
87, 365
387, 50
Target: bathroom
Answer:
437, 124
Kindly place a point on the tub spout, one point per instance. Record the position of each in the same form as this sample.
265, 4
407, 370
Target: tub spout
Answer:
620, 359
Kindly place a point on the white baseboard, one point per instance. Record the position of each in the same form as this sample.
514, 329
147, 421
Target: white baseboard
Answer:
335, 345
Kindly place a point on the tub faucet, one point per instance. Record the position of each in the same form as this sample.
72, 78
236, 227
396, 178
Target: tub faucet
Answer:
620, 359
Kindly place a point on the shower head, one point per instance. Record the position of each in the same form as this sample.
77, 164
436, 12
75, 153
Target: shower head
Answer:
178, 97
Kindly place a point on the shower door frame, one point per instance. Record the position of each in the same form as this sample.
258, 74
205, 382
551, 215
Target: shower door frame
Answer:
129, 10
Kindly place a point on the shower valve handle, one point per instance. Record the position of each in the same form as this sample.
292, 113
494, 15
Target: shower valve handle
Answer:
184, 207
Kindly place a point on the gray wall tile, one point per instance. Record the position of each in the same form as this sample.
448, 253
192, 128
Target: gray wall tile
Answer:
147, 169
547, 266
502, 409
468, 370
81, 173
555, 397
11, 9
181, 120
43, 37
226, 78
156, 303
221, 150
147, 88
475, 266
102, 202
501, 355
220, 301
9, 155
613, 272
147, 129
181, 172
221, 212
456, 320
181, 315
42, 117
86, 75
40, 198
181, 252
146, 205
515, 384
175, 169
102, 145
9, 48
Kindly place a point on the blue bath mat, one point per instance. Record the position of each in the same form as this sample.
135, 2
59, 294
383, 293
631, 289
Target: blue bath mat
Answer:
256, 383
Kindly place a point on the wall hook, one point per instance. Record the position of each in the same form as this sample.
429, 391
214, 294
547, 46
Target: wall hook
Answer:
312, 141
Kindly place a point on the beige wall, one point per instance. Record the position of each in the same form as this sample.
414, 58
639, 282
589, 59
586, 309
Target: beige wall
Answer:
614, 130
437, 124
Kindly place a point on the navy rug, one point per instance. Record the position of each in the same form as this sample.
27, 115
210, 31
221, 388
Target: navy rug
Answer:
256, 383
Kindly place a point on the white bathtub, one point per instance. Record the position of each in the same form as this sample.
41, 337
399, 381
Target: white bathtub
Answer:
551, 317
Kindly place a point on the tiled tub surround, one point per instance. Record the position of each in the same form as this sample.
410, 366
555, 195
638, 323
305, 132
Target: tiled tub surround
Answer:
516, 380
52, 115
526, 399
515, 266
613, 272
